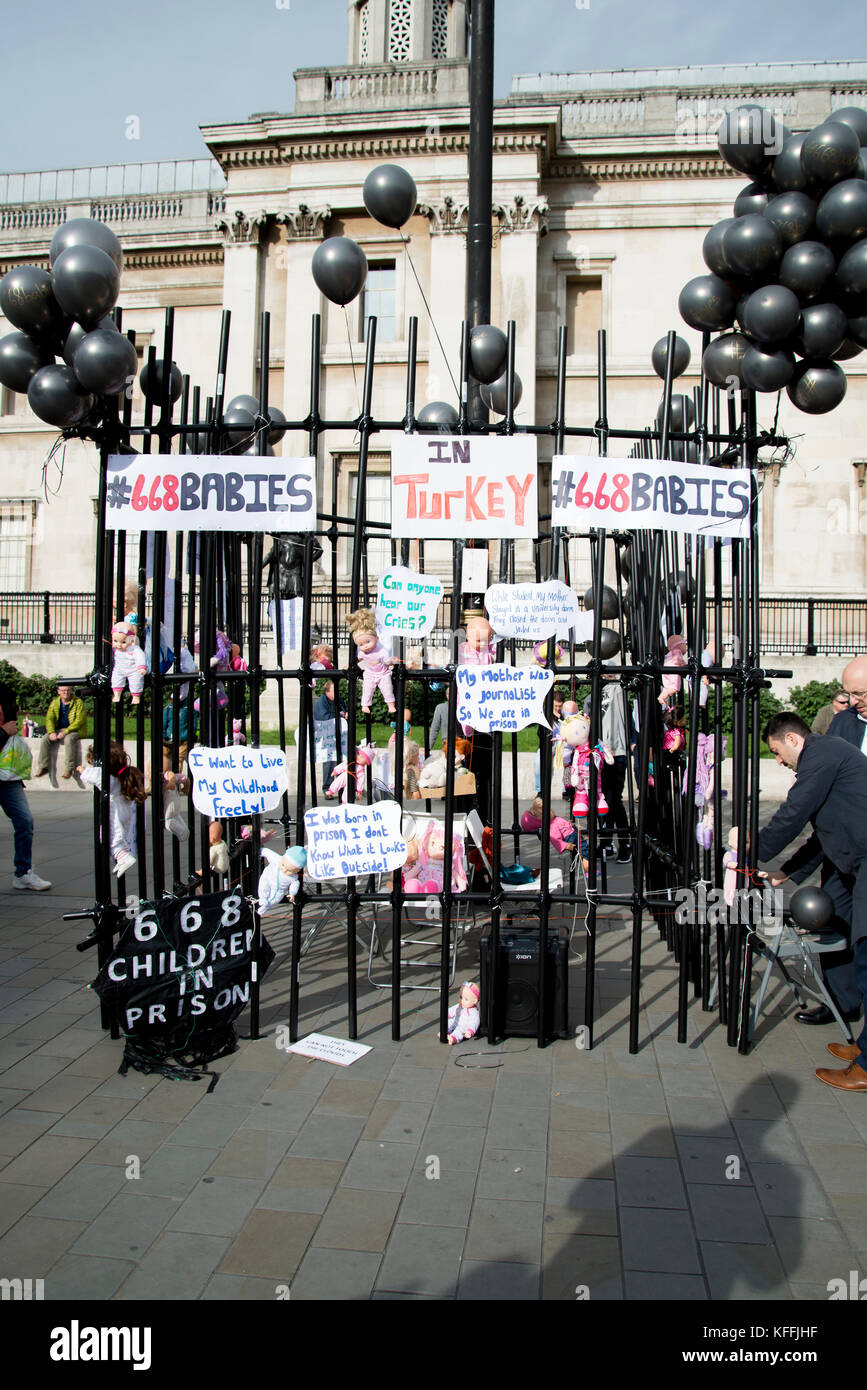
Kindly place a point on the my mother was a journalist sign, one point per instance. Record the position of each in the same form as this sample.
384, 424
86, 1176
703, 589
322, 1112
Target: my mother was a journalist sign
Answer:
658, 495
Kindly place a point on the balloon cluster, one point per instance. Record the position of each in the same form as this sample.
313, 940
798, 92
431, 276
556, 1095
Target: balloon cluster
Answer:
788, 272
65, 312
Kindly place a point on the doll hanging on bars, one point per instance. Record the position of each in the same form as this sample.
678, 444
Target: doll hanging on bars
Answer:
129, 662
373, 659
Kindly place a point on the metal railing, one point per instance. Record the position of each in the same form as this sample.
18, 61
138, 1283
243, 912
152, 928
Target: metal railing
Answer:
789, 626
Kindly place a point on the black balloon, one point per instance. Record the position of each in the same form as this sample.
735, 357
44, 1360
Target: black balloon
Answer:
76, 336
712, 250
852, 270
610, 606
105, 362
28, 301
723, 359
806, 269
752, 245
767, 369
84, 231
681, 415
788, 173
659, 356
390, 194
830, 152
812, 908
487, 352
817, 386
823, 330
771, 313
707, 302
339, 268
20, 359
793, 215
239, 422
843, 211
855, 117
55, 395
609, 643
495, 396
849, 349
152, 389
437, 416
86, 283
278, 422
753, 198
748, 138
857, 328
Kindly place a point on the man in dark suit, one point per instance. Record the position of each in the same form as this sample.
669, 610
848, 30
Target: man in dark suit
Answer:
829, 792
851, 723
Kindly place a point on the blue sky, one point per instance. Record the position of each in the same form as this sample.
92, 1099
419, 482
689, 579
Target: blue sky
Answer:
73, 73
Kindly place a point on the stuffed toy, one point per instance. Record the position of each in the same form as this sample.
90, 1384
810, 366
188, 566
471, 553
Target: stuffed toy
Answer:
540, 652
435, 768
373, 659
129, 662
676, 656
574, 733
281, 876
411, 757
703, 790
426, 876
237, 733
464, 1017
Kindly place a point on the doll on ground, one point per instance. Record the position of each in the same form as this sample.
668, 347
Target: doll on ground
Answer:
281, 876
126, 790
464, 1017
563, 834
373, 659
129, 662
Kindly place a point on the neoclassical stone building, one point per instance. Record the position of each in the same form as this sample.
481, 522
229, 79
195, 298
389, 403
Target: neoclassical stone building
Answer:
604, 185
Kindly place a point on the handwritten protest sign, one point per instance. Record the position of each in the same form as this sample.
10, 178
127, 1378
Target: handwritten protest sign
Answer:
533, 612
625, 494
349, 841
237, 781
502, 698
204, 492
447, 486
406, 602
328, 1049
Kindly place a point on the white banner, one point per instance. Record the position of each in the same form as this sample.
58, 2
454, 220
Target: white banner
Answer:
636, 494
449, 486
201, 492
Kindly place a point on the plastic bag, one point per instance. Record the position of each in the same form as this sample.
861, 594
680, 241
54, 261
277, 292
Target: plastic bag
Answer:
15, 760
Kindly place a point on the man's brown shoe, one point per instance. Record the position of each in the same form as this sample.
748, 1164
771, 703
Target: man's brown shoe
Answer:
42, 773
847, 1052
851, 1078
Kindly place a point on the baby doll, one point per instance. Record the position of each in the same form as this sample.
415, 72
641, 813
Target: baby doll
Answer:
130, 604
730, 864
411, 754
126, 790
322, 658
175, 786
676, 656
563, 834
373, 659
129, 662
478, 649
281, 876
574, 732
218, 855
464, 1017
428, 872
340, 776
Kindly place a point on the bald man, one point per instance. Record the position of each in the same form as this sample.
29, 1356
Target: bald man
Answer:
851, 723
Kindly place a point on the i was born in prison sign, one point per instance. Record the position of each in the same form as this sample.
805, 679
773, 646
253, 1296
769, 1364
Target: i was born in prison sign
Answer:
181, 973
631, 494
203, 492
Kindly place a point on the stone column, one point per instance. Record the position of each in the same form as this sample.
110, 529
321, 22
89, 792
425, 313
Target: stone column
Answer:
241, 295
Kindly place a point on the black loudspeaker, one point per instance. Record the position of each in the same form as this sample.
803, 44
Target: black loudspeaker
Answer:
516, 991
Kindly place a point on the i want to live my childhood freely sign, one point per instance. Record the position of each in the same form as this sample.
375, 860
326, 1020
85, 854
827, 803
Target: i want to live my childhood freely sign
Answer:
445, 486
631, 494
203, 492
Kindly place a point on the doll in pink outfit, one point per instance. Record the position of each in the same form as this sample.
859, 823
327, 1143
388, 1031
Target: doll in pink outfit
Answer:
676, 656
129, 662
464, 1017
427, 873
563, 834
373, 659
574, 733
478, 649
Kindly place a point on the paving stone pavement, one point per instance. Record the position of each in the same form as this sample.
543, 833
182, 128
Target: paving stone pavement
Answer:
683, 1172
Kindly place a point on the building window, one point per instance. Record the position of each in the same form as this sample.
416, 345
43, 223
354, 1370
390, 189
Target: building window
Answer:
583, 314
379, 301
7, 401
440, 29
16, 535
399, 20
377, 508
